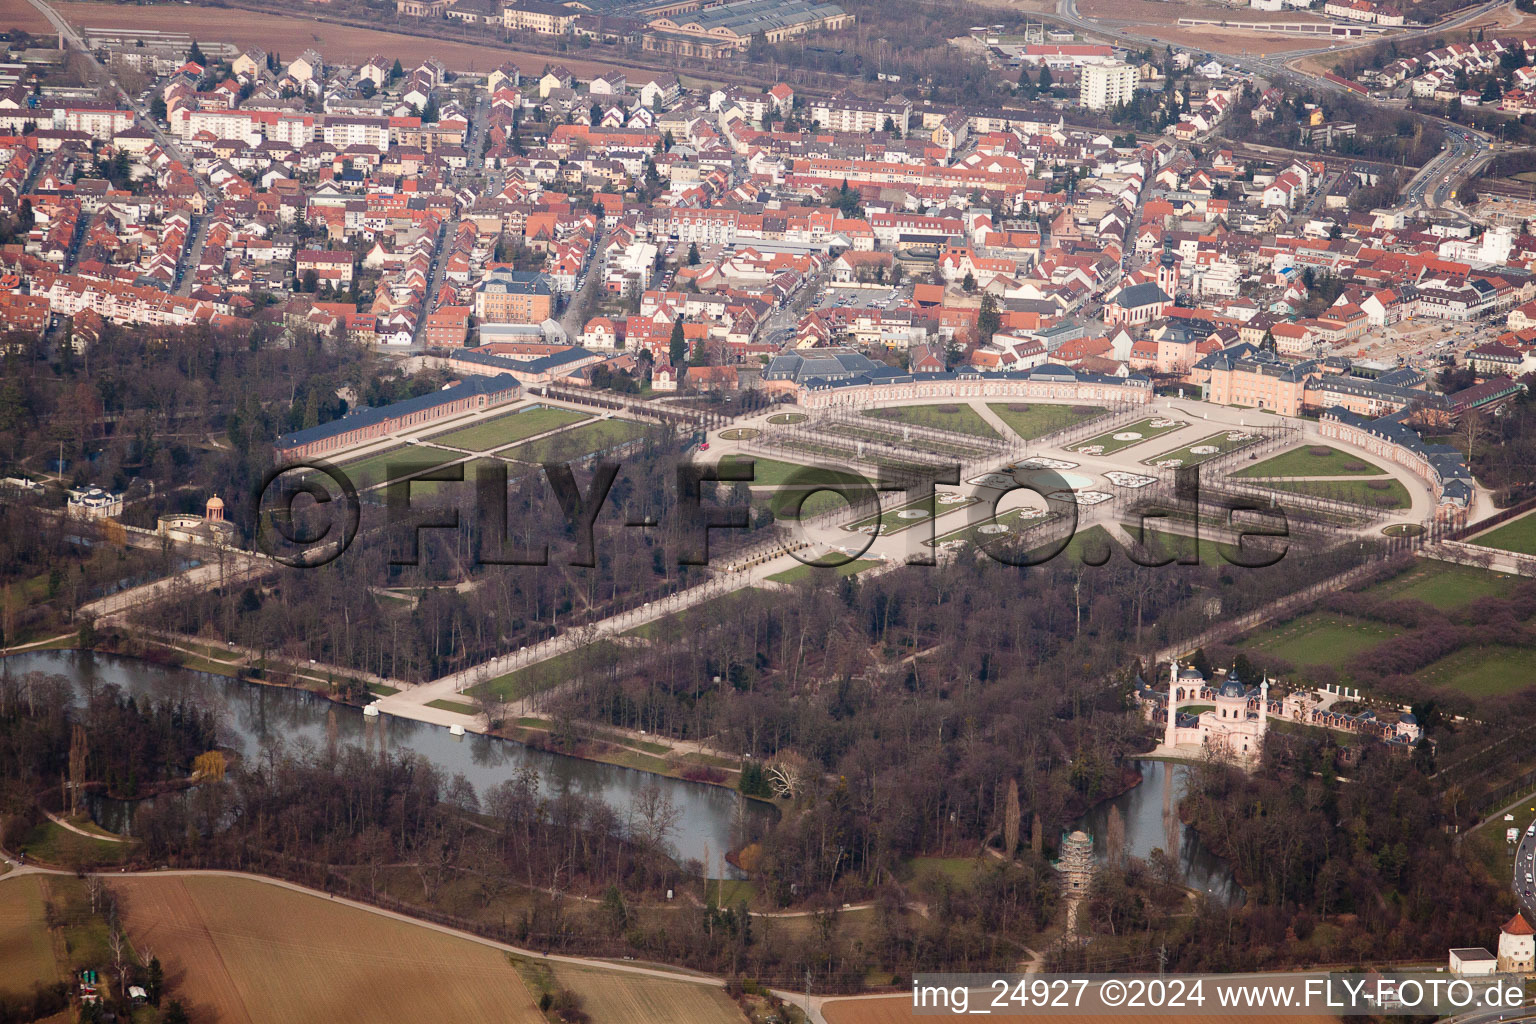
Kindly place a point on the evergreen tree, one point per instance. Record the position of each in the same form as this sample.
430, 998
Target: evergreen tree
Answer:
693, 254
396, 72
989, 319
677, 345
196, 54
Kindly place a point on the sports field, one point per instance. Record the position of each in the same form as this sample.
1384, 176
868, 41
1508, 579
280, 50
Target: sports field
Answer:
1517, 535
516, 426
241, 951
1203, 450
26, 951
961, 419
1320, 638
1032, 421
1120, 438
1313, 460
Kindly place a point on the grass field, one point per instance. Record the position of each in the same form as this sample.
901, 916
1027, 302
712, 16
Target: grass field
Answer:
1483, 671
1204, 450
1375, 492
26, 950
502, 430
772, 472
1010, 519
456, 706
50, 844
578, 442
239, 950
788, 417
1303, 462
904, 517
1320, 639
612, 998
1032, 421
1445, 585
537, 678
1107, 443
961, 419
806, 572
376, 469
1517, 535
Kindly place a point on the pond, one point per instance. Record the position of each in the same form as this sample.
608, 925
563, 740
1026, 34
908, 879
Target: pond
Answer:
261, 721
1145, 808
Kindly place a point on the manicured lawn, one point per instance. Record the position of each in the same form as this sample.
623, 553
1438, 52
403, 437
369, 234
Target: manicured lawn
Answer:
1092, 541
1107, 443
1032, 421
956, 869
551, 672
1304, 462
578, 442
805, 572
380, 690
781, 503
1375, 492
904, 517
457, 707
376, 469
772, 472
52, 844
1518, 535
788, 417
1446, 585
506, 429
962, 419
1320, 639
1483, 671
1010, 519
1204, 449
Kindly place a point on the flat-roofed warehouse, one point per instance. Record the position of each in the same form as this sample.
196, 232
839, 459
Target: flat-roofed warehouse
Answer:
727, 28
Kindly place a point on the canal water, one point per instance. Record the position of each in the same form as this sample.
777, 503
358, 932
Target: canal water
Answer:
1145, 809
260, 721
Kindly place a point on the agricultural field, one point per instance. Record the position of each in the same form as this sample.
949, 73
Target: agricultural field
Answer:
1203, 450
1517, 535
610, 997
239, 950
26, 949
1320, 638
578, 442
493, 433
1120, 438
1032, 421
1382, 492
1313, 460
898, 1010
1483, 671
904, 517
1445, 585
961, 419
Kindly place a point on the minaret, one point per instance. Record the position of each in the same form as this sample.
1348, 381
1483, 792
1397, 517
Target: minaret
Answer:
1170, 731
1263, 706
